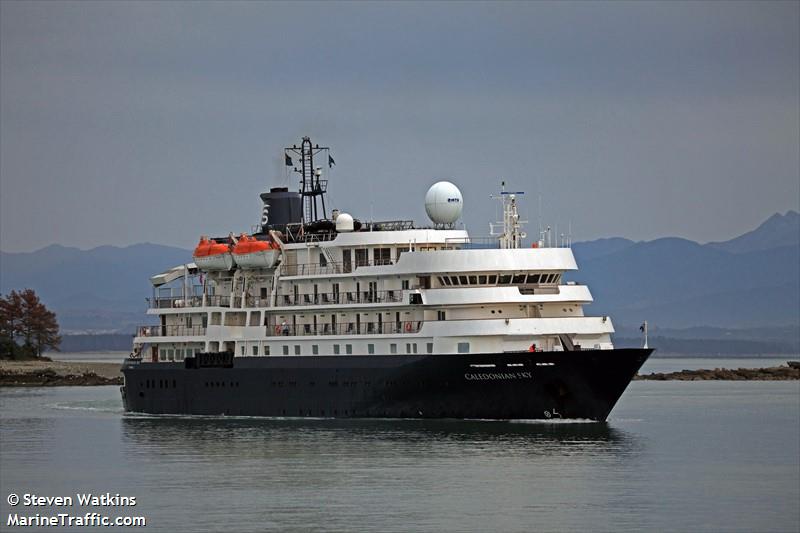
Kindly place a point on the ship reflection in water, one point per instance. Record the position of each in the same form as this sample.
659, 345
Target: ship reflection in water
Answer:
250, 437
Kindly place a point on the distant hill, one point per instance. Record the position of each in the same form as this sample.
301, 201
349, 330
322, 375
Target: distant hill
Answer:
752, 281
777, 231
101, 290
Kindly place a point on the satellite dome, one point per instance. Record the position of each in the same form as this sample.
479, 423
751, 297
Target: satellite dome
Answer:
344, 222
443, 203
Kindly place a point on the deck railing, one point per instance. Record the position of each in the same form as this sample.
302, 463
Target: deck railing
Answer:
344, 297
345, 328
170, 331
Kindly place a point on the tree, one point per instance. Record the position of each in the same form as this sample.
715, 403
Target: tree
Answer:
24, 316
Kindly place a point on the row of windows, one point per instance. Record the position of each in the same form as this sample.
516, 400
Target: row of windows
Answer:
410, 348
221, 384
160, 384
170, 354
501, 279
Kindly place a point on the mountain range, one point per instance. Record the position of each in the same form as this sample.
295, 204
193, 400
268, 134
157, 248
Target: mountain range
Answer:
751, 281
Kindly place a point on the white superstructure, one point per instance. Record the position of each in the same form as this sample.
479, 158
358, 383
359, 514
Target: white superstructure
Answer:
378, 289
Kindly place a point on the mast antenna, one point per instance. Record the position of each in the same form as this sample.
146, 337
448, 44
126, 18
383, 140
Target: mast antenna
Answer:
511, 225
312, 183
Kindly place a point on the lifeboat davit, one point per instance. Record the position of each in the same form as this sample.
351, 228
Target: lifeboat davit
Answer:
253, 253
211, 255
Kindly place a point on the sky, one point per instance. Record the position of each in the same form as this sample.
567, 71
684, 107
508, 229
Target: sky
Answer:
123, 123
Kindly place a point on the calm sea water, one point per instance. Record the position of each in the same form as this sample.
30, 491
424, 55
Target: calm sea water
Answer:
678, 456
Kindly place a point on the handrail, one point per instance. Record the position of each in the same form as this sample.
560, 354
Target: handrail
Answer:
343, 297
331, 267
170, 331
345, 328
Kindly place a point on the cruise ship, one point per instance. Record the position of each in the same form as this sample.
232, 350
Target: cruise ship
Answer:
318, 314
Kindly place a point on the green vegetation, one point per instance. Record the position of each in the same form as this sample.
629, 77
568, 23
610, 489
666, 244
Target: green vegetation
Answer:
27, 327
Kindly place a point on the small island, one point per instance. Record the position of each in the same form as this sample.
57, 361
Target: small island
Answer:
776, 373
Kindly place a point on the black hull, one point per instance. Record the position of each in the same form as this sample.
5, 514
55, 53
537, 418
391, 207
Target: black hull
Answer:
583, 384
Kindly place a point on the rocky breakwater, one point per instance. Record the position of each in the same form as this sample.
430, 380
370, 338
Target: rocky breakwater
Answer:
775, 373
57, 373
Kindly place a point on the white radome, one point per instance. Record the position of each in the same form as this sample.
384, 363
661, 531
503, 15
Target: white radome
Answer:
443, 203
344, 223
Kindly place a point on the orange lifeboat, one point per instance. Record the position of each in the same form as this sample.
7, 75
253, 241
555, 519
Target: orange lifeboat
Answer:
253, 253
211, 255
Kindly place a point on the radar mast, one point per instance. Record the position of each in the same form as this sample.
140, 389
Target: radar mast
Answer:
512, 234
312, 186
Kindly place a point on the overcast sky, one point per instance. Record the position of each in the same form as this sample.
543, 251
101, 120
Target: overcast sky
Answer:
158, 122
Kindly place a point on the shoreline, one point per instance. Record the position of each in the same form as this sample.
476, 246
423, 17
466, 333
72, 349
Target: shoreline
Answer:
58, 373
774, 373
65, 373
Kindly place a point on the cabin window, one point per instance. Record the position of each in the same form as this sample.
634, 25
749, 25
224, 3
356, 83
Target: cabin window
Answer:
463, 347
362, 259
519, 279
404, 284
241, 350
446, 280
393, 348
335, 349
533, 278
504, 280
285, 349
441, 280
473, 280
266, 349
462, 280
315, 349
255, 349
383, 256
255, 318
492, 280
415, 347
322, 261
348, 349
429, 347
371, 349
297, 349
408, 347
440, 315
482, 280
454, 280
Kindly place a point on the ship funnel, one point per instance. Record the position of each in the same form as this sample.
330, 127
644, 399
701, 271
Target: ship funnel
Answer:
281, 207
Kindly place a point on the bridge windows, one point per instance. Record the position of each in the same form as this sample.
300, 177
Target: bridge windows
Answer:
498, 279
